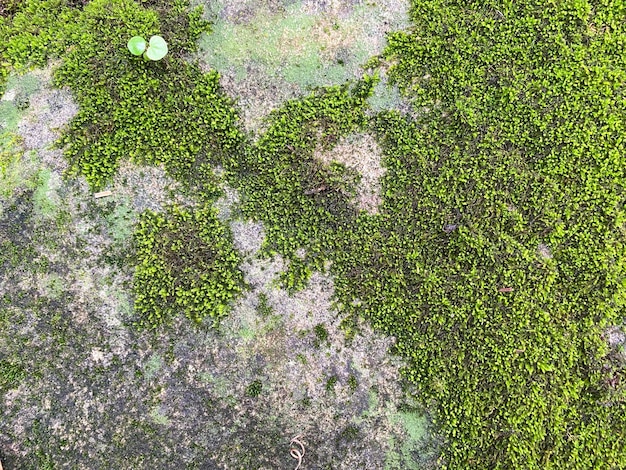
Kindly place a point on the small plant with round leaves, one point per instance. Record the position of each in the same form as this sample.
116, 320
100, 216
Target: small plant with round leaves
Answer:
154, 49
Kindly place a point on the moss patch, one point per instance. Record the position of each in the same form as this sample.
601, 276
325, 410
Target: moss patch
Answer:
185, 263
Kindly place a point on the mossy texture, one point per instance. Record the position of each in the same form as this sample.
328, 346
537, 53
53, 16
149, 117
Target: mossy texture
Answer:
185, 262
501, 239
496, 259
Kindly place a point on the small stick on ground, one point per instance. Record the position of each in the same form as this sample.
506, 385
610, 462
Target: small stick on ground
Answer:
103, 194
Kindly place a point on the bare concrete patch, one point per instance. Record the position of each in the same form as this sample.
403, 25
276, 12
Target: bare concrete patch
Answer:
361, 153
255, 95
49, 110
269, 51
544, 251
146, 187
616, 339
248, 236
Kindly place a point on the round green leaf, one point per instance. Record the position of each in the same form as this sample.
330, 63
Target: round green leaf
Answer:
157, 49
137, 45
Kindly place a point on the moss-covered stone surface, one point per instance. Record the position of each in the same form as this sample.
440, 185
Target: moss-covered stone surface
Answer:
85, 386
326, 235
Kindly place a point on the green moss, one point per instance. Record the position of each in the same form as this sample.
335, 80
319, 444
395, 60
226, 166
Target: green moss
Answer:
11, 375
38, 30
321, 334
264, 309
516, 146
185, 263
330, 383
254, 389
117, 91
352, 383
513, 149
349, 433
296, 276
301, 202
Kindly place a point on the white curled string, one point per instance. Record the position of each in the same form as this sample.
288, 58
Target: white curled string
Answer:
295, 453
